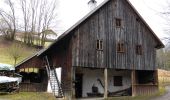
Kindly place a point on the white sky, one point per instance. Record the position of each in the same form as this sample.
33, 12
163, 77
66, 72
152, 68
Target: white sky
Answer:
71, 11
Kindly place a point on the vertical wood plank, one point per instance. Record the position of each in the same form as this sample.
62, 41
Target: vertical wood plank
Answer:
133, 79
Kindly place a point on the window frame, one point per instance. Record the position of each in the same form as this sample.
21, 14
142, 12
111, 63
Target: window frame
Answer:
120, 47
139, 49
117, 80
99, 44
118, 22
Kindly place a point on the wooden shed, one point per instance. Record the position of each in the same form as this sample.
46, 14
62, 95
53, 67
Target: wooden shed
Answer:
34, 74
109, 52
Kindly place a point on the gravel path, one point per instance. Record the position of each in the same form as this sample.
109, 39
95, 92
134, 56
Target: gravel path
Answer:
166, 96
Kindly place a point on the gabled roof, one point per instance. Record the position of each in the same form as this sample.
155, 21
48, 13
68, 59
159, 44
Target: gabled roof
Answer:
30, 57
161, 45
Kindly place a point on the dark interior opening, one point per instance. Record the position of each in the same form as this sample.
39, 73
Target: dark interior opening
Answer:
78, 85
33, 77
145, 77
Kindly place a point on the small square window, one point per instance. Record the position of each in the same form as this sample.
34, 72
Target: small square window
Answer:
21, 70
139, 50
117, 81
118, 22
120, 47
99, 45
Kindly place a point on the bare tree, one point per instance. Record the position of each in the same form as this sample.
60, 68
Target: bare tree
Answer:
37, 17
25, 12
15, 52
41, 15
10, 19
165, 14
49, 15
3, 29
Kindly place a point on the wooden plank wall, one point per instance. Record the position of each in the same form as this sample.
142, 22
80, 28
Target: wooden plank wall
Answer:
101, 25
146, 89
34, 62
60, 56
33, 87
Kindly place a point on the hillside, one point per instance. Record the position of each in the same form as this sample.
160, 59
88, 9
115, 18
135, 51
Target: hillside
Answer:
4, 51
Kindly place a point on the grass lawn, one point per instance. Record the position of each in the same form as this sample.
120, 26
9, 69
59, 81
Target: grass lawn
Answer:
27, 96
47, 96
130, 98
4, 52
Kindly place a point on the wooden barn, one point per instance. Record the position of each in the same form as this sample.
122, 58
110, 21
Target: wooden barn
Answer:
110, 52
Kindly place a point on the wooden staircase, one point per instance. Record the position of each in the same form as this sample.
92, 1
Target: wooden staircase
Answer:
54, 82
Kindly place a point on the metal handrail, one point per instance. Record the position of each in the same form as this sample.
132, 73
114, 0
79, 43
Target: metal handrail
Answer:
55, 74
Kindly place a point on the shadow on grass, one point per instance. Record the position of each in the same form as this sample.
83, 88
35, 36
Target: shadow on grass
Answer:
3, 93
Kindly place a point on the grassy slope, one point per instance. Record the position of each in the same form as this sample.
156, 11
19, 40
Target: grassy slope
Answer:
28, 96
6, 58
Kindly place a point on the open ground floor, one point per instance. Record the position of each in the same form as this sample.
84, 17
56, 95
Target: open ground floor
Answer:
33, 80
91, 82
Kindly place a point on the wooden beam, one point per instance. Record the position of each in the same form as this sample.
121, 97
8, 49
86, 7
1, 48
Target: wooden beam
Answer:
73, 82
156, 77
133, 80
105, 83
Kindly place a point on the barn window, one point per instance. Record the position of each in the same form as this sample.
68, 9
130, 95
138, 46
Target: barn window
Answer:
118, 22
120, 47
29, 70
99, 45
117, 81
138, 49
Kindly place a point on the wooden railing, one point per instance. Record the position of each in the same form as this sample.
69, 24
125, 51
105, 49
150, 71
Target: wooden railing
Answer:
145, 89
33, 87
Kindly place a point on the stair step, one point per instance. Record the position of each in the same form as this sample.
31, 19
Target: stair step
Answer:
55, 84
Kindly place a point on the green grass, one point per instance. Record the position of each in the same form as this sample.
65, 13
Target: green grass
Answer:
47, 44
130, 98
47, 96
4, 52
27, 96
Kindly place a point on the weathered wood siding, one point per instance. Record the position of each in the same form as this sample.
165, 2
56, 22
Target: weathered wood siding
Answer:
145, 89
101, 25
60, 56
34, 62
33, 87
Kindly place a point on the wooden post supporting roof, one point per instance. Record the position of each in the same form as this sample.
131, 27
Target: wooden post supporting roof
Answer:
105, 83
133, 79
156, 77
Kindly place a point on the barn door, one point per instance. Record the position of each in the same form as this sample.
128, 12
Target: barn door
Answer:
78, 85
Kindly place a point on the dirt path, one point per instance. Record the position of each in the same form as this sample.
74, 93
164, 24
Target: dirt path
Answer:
166, 96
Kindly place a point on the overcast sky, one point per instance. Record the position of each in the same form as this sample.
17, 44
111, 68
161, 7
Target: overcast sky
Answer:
70, 11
